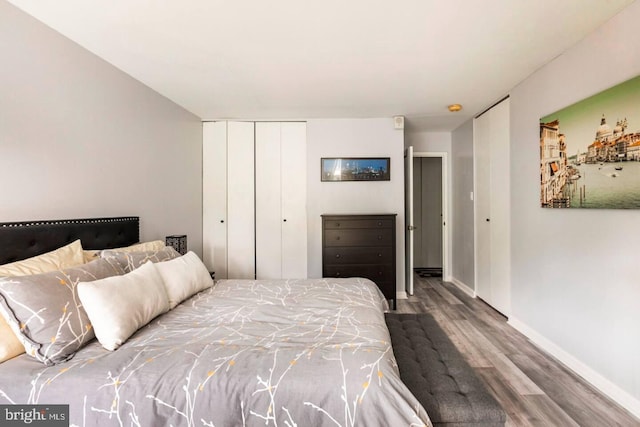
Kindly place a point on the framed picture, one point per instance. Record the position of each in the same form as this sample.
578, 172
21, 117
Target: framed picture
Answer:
355, 169
590, 151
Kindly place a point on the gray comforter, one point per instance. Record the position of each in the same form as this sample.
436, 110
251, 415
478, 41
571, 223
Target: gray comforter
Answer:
265, 353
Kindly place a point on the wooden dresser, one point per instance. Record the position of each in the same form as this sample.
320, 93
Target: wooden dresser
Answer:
361, 246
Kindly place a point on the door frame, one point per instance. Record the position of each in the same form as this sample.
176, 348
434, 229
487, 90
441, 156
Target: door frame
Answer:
446, 221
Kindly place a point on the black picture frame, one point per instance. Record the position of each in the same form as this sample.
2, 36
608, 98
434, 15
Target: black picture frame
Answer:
341, 169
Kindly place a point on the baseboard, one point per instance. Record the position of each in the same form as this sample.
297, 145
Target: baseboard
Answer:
464, 288
623, 398
401, 295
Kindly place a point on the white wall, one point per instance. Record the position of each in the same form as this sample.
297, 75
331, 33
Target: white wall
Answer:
462, 220
575, 281
353, 138
79, 138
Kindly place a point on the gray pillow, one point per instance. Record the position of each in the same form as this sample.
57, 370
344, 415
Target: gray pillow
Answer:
45, 312
129, 261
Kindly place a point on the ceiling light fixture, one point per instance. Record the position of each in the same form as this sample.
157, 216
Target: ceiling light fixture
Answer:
454, 107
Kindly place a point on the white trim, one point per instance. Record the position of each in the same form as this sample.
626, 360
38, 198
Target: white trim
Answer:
622, 397
401, 295
446, 188
463, 287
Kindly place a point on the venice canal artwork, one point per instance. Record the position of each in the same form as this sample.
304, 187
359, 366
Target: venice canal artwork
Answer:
586, 162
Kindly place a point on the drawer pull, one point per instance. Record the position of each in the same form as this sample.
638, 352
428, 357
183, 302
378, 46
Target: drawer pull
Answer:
221, 221
379, 237
337, 224
337, 237
380, 273
338, 274
379, 255
379, 224
337, 255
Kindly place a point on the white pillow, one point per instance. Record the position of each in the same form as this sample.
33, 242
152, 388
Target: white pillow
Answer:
183, 277
120, 305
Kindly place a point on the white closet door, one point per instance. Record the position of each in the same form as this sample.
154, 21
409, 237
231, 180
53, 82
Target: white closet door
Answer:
492, 197
482, 195
500, 209
268, 201
294, 199
240, 201
214, 197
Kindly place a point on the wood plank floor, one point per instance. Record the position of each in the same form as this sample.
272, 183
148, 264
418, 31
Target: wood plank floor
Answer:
532, 386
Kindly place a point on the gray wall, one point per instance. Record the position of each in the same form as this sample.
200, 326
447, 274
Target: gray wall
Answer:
575, 278
353, 138
79, 138
462, 221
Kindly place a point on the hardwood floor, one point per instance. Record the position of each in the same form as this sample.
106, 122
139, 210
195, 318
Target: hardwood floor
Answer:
532, 387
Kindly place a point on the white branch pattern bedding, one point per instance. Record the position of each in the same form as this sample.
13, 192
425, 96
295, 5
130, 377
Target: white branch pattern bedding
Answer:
243, 353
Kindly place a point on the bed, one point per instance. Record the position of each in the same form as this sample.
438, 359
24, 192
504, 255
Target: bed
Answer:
241, 352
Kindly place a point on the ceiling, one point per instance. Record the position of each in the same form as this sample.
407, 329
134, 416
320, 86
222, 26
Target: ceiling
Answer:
297, 59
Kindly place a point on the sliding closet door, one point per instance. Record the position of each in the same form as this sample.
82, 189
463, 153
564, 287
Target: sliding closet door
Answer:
240, 201
281, 215
214, 197
482, 193
492, 204
500, 208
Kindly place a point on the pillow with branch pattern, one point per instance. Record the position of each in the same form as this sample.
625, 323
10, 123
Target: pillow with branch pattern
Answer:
45, 312
132, 260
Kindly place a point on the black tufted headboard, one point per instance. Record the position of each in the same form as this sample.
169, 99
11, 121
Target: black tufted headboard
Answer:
21, 240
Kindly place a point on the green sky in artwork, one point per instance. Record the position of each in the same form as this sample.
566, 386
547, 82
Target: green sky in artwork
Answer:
580, 121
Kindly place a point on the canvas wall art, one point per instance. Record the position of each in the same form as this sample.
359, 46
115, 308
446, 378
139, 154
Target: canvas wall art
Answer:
590, 151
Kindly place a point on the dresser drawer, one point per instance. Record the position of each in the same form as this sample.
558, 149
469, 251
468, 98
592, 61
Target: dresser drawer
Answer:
377, 273
361, 237
361, 246
358, 255
334, 224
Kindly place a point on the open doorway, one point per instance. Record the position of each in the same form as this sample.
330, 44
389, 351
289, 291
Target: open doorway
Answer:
426, 214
